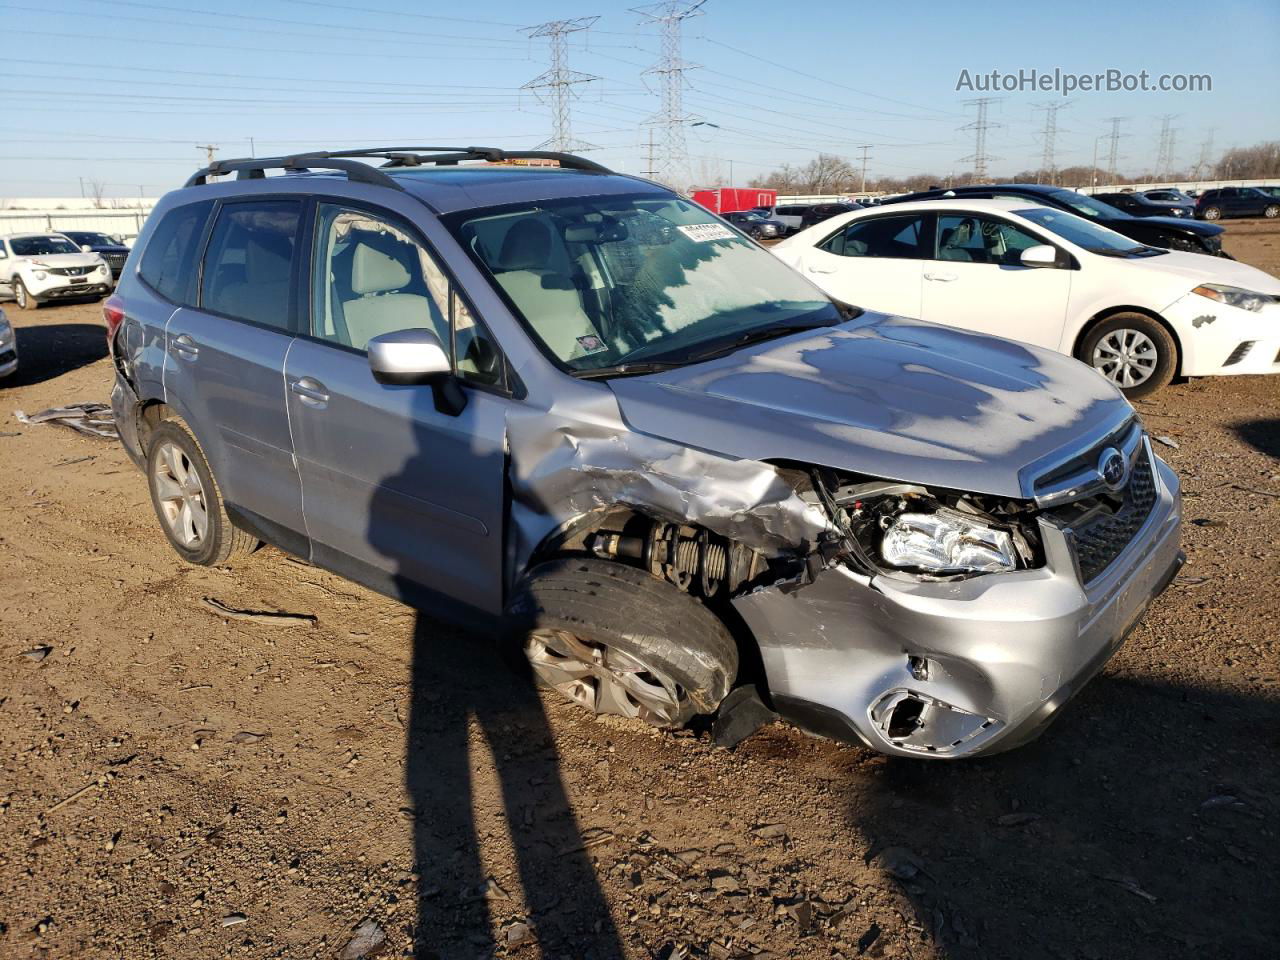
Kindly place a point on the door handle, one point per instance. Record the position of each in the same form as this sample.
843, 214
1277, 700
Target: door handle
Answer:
941, 277
185, 347
822, 269
311, 391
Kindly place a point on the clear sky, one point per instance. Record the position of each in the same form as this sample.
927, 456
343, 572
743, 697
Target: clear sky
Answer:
122, 91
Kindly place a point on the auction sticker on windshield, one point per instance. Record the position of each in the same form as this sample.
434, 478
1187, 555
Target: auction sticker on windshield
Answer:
704, 232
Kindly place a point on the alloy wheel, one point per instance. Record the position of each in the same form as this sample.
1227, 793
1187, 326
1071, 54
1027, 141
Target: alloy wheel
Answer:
181, 496
20, 293
1126, 357
602, 678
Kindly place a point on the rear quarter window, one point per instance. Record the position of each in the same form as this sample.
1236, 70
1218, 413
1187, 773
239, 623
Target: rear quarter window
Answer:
169, 262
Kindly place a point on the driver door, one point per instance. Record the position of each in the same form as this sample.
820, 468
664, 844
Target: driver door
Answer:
975, 280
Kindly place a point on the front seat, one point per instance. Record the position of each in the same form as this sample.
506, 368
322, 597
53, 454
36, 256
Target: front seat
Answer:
547, 298
376, 309
954, 241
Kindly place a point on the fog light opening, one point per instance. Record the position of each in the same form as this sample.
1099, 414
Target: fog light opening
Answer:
917, 722
905, 718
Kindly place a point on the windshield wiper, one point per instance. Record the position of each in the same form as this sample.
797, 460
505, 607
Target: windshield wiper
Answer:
759, 335
636, 369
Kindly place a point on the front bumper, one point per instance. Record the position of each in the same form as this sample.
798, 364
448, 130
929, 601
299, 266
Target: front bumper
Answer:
980, 665
55, 287
8, 360
1217, 339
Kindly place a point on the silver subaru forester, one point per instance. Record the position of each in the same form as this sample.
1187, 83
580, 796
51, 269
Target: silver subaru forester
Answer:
577, 410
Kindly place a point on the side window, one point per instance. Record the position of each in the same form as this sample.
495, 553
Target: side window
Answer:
893, 237
372, 277
169, 262
982, 240
249, 261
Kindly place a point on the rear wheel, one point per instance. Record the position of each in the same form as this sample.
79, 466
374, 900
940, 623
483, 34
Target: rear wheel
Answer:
25, 300
618, 641
1272, 212
187, 499
1133, 351
1212, 213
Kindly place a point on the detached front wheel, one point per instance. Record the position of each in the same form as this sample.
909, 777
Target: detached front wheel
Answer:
619, 641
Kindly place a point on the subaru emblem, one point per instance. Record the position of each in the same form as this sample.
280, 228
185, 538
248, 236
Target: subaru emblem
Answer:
1112, 468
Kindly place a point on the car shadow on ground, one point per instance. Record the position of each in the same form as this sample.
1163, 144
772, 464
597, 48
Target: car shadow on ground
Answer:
1108, 837
1263, 435
50, 350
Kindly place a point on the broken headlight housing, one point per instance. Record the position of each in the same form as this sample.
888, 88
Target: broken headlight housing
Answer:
946, 542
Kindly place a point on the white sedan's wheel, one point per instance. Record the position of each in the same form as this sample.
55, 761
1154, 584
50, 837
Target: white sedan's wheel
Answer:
1133, 351
1126, 357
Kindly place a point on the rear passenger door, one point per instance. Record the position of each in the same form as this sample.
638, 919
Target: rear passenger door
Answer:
872, 262
399, 495
225, 358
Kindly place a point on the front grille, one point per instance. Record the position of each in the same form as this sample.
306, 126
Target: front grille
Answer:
1239, 353
71, 271
1102, 533
116, 260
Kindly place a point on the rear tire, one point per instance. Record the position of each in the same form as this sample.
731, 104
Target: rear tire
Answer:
25, 300
616, 640
1212, 213
1271, 212
1131, 350
187, 499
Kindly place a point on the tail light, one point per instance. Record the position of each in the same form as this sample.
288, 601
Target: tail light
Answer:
113, 316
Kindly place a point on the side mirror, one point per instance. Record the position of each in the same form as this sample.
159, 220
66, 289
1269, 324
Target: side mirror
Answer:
85, 248
1041, 255
415, 357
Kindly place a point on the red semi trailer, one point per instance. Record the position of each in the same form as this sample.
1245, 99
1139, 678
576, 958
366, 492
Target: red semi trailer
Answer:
733, 199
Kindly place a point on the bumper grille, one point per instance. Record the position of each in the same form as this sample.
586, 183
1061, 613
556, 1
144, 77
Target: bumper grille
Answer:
1100, 538
72, 271
1239, 353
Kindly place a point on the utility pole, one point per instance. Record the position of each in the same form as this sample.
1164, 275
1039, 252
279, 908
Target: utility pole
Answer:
1113, 150
251, 152
82, 186
673, 162
559, 80
864, 156
1164, 152
209, 150
648, 171
1049, 159
980, 126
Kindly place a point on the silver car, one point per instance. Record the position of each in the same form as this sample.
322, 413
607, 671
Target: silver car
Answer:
577, 410
8, 347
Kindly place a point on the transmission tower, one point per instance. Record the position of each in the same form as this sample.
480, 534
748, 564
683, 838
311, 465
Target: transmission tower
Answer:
1164, 153
672, 163
980, 158
555, 87
1113, 150
1205, 162
1049, 159
864, 155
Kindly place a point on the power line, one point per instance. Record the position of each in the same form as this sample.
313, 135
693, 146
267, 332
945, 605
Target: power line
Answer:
980, 126
560, 80
1049, 158
673, 162
865, 156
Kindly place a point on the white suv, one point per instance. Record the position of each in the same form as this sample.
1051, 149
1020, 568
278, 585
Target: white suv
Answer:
38, 267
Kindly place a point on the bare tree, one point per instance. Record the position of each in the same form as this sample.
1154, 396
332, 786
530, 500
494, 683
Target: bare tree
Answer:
96, 190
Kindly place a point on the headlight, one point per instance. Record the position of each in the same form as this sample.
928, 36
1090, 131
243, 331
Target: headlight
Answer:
946, 542
1235, 296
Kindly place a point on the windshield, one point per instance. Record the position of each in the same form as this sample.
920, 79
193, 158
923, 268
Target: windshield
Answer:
1088, 206
41, 246
92, 239
1086, 235
609, 281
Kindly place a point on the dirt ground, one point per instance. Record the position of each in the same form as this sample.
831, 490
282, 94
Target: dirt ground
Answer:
177, 784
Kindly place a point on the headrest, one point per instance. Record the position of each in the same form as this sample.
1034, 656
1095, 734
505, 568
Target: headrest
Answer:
527, 246
373, 271
266, 256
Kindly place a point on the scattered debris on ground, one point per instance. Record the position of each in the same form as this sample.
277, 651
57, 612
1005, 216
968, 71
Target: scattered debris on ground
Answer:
92, 419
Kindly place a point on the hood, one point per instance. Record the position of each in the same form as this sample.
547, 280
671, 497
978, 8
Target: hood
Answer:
887, 397
1193, 269
1198, 227
66, 259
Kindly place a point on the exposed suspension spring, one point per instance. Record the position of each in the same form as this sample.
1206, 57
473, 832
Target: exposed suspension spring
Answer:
687, 556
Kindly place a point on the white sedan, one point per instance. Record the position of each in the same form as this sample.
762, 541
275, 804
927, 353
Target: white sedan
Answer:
1138, 315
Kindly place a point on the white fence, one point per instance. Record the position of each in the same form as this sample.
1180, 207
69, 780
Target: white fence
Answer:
121, 223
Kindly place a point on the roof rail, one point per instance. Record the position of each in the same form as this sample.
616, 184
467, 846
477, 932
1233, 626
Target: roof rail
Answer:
253, 168
348, 161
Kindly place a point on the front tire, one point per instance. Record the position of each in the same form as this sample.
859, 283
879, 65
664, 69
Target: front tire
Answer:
187, 499
1133, 351
1271, 212
616, 640
25, 300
